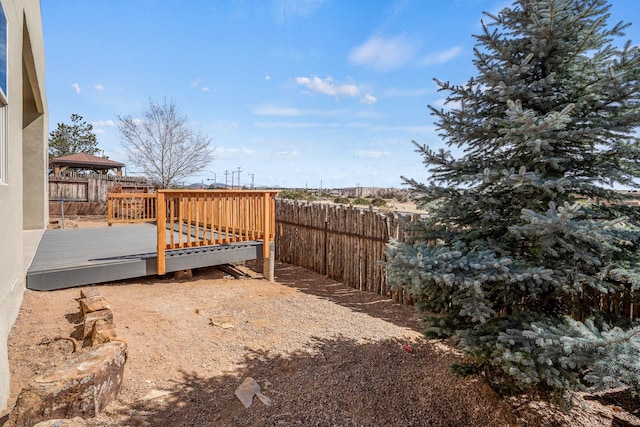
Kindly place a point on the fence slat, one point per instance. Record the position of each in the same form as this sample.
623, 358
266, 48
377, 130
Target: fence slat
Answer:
342, 242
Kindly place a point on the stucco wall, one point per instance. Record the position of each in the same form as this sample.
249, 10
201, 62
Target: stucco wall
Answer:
27, 150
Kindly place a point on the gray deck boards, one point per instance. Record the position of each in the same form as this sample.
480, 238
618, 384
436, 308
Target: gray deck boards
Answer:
75, 257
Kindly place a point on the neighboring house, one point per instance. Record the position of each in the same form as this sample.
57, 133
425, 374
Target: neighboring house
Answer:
23, 156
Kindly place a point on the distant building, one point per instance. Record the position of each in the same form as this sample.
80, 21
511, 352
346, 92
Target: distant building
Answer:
83, 162
23, 156
362, 191
83, 183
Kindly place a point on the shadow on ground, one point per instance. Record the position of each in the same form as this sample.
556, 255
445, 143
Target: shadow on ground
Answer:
341, 383
360, 301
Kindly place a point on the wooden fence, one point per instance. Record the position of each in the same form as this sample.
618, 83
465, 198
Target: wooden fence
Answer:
92, 187
344, 243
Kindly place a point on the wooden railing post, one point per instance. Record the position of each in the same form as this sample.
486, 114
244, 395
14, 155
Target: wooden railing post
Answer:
109, 210
268, 265
161, 224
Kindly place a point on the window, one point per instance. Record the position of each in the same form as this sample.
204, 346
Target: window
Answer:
3, 96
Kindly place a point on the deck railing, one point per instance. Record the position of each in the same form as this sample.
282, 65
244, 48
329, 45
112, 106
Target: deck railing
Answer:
131, 208
194, 218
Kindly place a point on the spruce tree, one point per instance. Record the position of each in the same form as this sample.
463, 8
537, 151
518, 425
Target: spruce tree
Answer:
528, 241
78, 137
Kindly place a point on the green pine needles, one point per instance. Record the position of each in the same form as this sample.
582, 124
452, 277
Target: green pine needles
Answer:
530, 257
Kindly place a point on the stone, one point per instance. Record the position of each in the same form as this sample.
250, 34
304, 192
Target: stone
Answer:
81, 387
91, 318
89, 293
103, 332
74, 422
183, 274
91, 304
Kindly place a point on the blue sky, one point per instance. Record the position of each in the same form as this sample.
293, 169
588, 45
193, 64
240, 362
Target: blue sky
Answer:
299, 93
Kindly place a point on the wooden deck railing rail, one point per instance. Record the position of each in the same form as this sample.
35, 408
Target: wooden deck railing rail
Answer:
214, 217
194, 218
131, 207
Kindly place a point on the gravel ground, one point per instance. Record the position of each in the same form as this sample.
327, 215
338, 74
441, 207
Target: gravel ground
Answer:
325, 354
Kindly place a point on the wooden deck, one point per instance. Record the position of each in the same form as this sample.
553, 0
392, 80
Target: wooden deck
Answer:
76, 257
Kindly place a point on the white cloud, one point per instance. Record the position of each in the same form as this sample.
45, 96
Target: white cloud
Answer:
441, 57
368, 99
76, 87
288, 154
327, 86
224, 126
272, 110
99, 87
371, 154
275, 110
442, 103
287, 9
384, 54
407, 129
288, 125
267, 77
104, 123
407, 92
222, 152
199, 84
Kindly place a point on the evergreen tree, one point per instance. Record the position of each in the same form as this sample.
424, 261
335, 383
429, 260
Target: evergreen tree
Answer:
528, 233
78, 137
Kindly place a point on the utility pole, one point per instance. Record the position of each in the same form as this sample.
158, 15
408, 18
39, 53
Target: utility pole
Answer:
214, 180
239, 178
252, 175
226, 180
233, 182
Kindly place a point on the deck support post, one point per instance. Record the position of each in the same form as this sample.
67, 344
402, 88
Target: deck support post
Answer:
161, 223
268, 266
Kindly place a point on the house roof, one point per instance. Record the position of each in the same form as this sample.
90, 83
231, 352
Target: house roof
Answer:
82, 160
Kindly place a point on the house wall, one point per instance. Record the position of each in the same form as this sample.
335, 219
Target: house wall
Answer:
23, 203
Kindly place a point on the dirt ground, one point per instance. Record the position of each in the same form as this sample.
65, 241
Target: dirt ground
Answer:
325, 354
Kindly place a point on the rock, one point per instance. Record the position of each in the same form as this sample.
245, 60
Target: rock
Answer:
91, 318
89, 293
82, 386
103, 332
183, 274
91, 304
74, 422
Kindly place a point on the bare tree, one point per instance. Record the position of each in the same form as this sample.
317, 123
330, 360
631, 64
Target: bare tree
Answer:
162, 145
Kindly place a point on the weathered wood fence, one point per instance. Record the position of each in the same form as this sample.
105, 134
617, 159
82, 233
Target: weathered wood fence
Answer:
347, 243
344, 243
92, 187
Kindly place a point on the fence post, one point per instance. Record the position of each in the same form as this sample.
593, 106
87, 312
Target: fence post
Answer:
109, 210
161, 224
268, 263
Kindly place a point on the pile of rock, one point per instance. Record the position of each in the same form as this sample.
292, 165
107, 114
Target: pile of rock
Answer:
98, 326
84, 384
